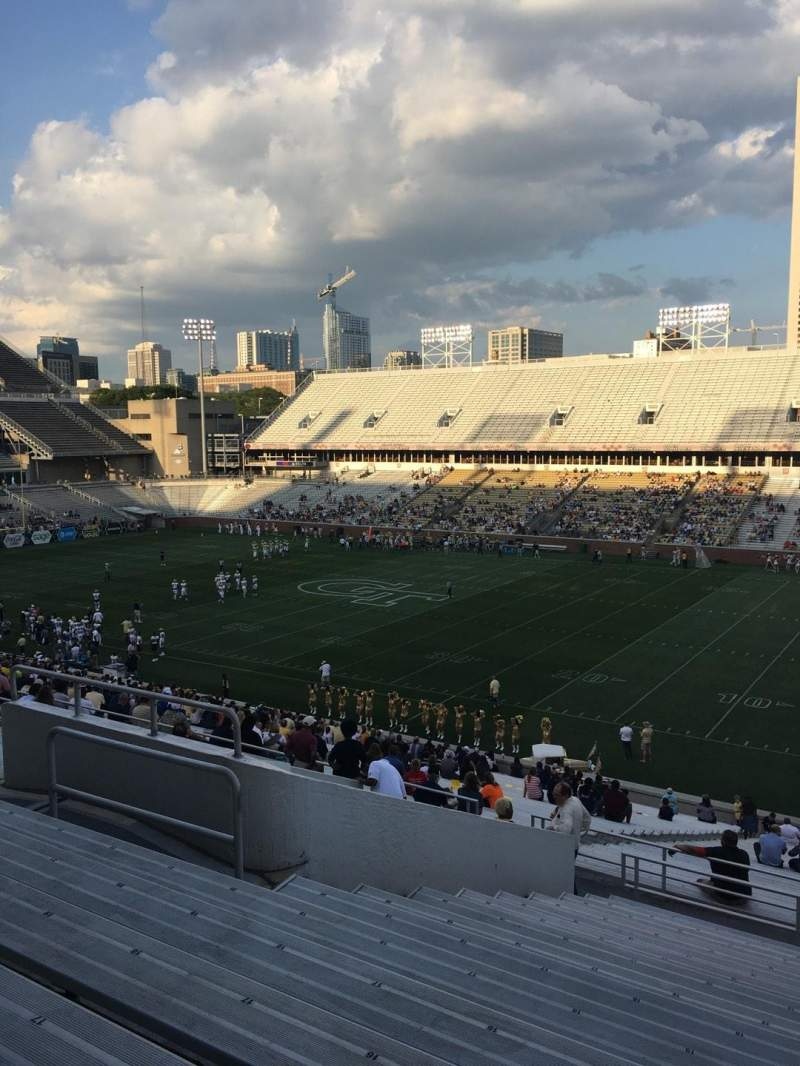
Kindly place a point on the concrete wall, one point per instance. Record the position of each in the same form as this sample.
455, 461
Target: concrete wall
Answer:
295, 821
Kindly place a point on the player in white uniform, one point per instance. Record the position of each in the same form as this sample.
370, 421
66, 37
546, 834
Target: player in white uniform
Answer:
184, 590
162, 643
254, 585
175, 588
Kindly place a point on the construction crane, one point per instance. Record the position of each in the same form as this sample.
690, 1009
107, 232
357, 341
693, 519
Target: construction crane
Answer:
754, 331
332, 286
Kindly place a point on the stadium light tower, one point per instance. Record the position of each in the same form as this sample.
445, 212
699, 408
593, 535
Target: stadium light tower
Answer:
201, 329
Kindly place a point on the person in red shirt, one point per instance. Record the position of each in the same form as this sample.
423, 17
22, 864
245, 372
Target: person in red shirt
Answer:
301, 746
414, 775
491, 792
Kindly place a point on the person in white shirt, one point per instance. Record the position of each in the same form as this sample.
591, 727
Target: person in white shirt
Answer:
626, 736
569, 815
790, 833
385, 779
325, 673
494, 692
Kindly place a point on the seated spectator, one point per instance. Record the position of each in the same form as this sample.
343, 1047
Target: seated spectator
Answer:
448, 765
586, 794
251, 738
491, 791
469, 798
665, 811
770, 847
768, 820
628, 806
431, 791
532, 786
727, 860
789, 832
705, 812
414, 775
671, 799
347, 757
614, 803
504, 809
516, 768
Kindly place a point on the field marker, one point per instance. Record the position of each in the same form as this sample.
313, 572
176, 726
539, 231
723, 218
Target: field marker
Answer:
691, 658
769, 666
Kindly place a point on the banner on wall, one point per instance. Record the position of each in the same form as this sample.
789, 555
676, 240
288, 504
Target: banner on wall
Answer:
67, 533
41, 536
91, 531
13, 540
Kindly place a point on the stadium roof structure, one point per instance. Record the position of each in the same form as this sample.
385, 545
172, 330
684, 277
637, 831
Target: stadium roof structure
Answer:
733, 400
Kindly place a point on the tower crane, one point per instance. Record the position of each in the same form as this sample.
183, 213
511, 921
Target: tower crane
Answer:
754, 330
331, 288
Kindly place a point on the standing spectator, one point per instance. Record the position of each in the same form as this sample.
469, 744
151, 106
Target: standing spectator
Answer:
770, 846
532, 786
646, 742
734, 864
570, 816
301, 746
628, 806
469, 798
626, 736
504, 809
325, 673
749, 817
491, 792
737, 810
347, 757
705, 811
384, 779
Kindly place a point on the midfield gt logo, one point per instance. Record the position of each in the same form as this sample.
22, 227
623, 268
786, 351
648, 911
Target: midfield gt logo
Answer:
372, 593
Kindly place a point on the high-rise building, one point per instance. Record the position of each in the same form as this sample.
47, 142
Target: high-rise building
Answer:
402, 359
149, 363
88, 368
60, 356
345, 340
793, 311
518, 344
178, 378
277, 349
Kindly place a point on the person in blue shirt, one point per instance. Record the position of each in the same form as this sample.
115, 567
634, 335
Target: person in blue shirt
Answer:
770, 846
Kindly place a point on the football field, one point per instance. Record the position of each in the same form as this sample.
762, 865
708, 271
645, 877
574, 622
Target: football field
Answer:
710, 657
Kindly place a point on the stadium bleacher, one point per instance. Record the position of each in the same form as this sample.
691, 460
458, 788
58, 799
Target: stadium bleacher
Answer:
772, 522
227, 971
621, 506
684, 401
62, 428
18, 374
714, 510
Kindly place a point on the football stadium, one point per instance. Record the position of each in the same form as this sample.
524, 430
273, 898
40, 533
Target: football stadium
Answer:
262, 718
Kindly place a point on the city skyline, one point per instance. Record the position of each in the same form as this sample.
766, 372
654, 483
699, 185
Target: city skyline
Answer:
575, 184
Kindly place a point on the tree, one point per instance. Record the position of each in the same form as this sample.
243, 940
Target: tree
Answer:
120, 397
253, 402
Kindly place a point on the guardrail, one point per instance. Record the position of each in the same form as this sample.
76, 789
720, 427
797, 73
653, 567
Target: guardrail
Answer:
630, 868
152, 698
56, 788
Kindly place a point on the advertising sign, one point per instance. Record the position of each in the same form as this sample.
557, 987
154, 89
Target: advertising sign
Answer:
67, 533
14, 540
91, 531
41, 536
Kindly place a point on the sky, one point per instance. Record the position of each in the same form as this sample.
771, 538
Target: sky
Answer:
571, 164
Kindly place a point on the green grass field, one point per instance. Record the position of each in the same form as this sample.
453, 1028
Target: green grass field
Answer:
709, 657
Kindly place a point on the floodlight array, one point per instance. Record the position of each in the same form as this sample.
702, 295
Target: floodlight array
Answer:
457, 334
705, 314
199, 329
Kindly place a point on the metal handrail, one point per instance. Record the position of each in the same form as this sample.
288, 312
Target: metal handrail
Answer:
712, 884
236, 837
153, 698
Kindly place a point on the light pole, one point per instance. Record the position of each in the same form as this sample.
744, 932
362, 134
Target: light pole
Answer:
200, 329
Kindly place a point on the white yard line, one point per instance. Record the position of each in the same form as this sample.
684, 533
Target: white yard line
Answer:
755, 681
697, 654
574, 633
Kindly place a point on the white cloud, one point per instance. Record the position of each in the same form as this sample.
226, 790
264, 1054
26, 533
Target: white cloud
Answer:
431, 139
